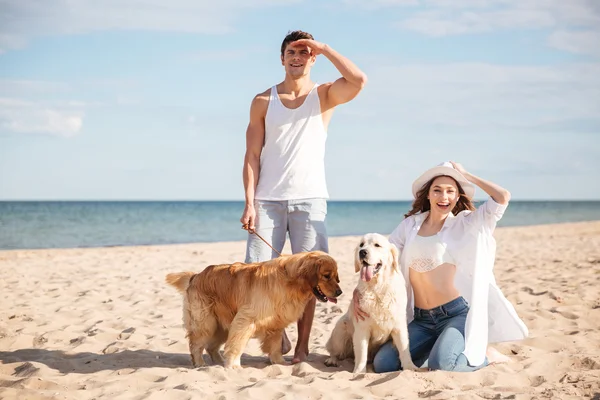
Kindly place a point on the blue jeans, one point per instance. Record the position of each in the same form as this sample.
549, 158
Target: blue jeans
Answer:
304, 220
437, 340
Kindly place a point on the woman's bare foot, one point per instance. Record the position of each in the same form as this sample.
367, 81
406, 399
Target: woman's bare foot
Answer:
495, 357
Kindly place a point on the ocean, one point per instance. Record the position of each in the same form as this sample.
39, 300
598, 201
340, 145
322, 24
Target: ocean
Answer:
70, 224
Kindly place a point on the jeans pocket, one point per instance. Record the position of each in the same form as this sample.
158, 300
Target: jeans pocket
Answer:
459, 308
317, 209
269, 214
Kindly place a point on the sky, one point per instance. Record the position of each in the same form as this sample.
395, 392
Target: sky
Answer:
140, 100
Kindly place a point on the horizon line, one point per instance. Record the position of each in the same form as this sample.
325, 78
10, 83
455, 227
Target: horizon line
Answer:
242, 201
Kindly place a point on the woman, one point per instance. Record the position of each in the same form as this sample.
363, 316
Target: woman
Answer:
447, 253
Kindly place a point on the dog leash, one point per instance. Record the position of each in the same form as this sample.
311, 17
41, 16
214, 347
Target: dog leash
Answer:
246, 227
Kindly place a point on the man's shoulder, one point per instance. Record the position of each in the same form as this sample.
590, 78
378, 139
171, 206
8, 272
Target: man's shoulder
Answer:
263, 95
323, 91
324, 87
261, 100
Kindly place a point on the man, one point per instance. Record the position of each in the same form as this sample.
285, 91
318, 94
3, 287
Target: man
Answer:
284, 168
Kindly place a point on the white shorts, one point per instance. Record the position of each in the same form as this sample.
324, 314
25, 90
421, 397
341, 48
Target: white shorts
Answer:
303, 219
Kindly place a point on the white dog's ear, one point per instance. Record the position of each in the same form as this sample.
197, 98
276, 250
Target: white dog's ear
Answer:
394, 251
357, 264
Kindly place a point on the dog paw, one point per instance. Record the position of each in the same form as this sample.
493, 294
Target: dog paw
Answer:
278, 361
332, 362
233, 365
359, 371
199, 364
218, 360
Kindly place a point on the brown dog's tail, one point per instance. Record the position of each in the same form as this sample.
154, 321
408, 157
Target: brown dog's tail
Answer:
181, 280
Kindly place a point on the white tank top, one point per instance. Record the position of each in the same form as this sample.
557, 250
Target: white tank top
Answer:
426, 253
292, 162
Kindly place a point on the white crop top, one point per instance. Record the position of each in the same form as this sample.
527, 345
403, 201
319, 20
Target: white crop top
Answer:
426, 253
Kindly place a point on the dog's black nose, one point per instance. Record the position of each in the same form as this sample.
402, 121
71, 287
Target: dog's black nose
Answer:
362, 253
338, 292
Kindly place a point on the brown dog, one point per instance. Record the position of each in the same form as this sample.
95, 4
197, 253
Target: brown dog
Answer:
232, 303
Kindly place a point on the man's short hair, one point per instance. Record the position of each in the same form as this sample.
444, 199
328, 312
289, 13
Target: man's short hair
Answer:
292, 37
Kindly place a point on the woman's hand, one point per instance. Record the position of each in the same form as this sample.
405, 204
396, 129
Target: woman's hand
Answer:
496, 192
359, 314
459, 167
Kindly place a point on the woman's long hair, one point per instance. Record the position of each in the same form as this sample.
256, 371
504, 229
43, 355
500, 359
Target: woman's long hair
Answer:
421, 203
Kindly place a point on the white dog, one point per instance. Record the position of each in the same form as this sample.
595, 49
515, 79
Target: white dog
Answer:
382, 290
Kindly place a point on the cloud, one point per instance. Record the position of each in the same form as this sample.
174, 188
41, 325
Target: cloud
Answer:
20, 116
534, 128
579, 42
574, 25
224, 55
513, 124
479, 97
376, 4
45, 107
451, 22
9, 41
16, 87
21, 20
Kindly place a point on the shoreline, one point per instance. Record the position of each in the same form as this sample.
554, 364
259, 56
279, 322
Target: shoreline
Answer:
502, 228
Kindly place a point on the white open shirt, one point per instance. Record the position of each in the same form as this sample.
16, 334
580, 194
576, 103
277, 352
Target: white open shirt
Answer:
468, 238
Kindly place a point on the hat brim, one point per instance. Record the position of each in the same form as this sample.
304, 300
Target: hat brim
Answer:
467, 186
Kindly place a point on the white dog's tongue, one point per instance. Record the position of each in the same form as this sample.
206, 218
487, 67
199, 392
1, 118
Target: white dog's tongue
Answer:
366, 273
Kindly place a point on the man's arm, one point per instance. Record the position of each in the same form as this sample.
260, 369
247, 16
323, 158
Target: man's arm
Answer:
255, 137
352, 81
349, 85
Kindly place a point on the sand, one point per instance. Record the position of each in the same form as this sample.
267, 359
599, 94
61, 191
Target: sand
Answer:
101, 323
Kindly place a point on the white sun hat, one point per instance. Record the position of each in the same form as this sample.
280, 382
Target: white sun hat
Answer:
444, 168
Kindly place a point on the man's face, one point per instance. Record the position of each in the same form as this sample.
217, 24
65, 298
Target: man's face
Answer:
297, 60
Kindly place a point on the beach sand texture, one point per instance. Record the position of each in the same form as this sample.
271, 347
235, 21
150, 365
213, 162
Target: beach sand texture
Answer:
101, 323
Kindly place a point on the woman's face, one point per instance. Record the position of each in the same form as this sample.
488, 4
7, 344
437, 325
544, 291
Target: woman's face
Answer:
443, 195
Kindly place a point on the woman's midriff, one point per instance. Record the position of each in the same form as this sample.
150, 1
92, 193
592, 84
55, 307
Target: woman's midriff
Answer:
434, 288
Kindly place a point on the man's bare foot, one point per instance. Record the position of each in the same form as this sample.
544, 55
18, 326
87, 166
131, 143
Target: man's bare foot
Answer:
495, 357
286, 345
299, 356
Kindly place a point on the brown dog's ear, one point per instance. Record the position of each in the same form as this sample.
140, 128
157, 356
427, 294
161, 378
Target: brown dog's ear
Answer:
309, 270
394, 251
313, 274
